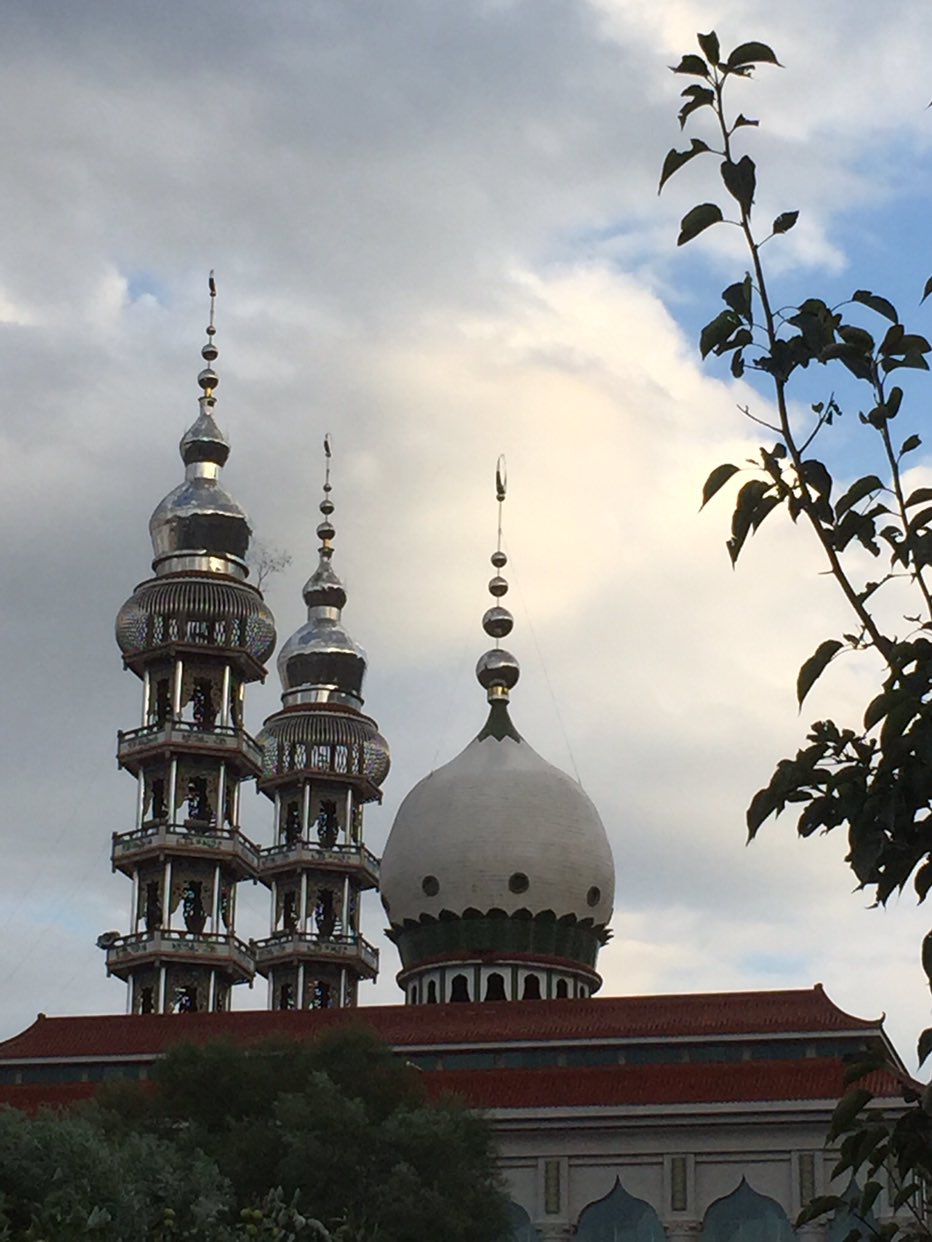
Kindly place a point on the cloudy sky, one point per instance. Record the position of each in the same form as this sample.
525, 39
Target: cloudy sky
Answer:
436, 234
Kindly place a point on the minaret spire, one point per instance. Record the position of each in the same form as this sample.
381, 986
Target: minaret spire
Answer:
324, 761
196, 635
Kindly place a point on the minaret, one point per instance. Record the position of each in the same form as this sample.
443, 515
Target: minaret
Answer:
195, 635
323, 761
497, 876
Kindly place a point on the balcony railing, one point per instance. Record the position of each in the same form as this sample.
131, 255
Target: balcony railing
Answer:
334, 857
311, 947
223, 950
192, 838
187, 734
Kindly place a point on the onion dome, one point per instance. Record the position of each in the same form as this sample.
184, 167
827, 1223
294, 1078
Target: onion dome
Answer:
199, 526
320, 663
200, 537
320, 728
498, 853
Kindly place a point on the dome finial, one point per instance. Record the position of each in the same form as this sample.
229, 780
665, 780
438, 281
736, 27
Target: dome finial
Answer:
208, 378
498, 670
325, 531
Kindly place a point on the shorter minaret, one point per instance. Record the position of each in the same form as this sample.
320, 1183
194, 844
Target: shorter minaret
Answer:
497, 876
323, 761
195, 635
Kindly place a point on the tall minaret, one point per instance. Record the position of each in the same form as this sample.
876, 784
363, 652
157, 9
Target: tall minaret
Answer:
195, 635
323, 761
497, 876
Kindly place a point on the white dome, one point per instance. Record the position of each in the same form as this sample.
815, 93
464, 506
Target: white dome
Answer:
498, 827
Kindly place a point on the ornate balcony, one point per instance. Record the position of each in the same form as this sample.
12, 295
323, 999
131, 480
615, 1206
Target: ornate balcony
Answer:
226, 952
351, 950
178, 736
355, 859
190, 840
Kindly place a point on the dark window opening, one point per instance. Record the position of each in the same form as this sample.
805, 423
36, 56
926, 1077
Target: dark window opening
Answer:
324, 913
153, 913
192, 907
163, 701
531, 988
186, 1000
292, 824
459, 988
290, 911
432, 991
204, 708
321, 995
286, 996
562, 992
146, 1000
415, 995
328, 825
159, 805
495, 987
518, 882
198, 806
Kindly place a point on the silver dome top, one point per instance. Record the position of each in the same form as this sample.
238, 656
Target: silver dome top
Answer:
320, 663
199, 526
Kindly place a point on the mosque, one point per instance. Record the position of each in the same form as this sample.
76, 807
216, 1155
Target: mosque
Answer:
630, 1119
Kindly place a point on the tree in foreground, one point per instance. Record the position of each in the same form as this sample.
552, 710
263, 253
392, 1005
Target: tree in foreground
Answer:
333, 1141
871, 777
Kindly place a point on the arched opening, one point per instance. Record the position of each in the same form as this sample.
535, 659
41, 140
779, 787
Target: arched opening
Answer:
531, 988
562, 992
522, 1230
619, 1217
495, 987
415, 995
459, 988
746, 1216
431, 991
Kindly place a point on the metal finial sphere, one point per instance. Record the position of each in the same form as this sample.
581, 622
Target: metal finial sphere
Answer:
498, 622
499, 559
498, 586
325, 531
208, 379
209, 352
326, 507
498, 669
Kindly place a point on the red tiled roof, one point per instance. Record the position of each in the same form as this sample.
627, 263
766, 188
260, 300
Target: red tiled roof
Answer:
619, 1085
603, 1086
644, 1017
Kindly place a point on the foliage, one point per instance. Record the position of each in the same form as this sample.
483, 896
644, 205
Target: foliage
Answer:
340, 1126
264, 560
872, 779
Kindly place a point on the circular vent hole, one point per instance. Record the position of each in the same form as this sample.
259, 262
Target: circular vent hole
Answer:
594, 896
518, 882
431, 885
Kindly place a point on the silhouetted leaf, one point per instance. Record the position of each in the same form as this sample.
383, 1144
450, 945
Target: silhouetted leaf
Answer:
813, 668
785, 221
716, 480
717, 331
699, 218
741, 119
709, 44
692, 64
926, 291
847, 1109
905, 1193
857, 491
738, 297
921, 496
820, 1206
740, 181
696, 97
876, 303
742, 520
909, 444
751, 54
676, 159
